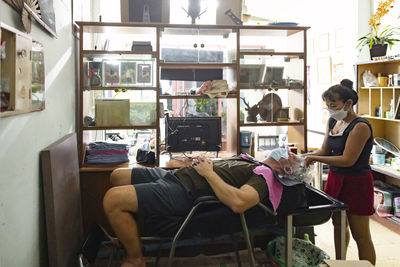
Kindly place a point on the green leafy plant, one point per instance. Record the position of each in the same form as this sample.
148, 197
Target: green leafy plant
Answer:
387, 35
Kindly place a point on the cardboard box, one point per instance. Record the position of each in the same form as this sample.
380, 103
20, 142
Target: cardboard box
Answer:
345, 263
112, 112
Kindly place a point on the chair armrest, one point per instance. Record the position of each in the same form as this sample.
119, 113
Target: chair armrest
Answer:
266, 209
214, 199
206, 199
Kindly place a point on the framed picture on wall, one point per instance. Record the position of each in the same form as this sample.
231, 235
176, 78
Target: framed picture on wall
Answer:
338, 72
323, 42
339, 38
144, 73
324, 70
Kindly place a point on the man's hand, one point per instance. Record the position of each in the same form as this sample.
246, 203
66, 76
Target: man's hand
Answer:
203, 166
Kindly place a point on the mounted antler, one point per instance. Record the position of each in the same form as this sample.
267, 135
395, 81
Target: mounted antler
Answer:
252, 112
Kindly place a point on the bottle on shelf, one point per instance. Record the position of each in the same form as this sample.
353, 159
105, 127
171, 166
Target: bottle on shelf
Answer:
391, 109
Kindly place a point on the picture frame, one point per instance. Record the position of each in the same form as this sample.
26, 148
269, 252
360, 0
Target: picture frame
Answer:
324, 70
144, 73
339, 38
338, 72
251, 75
323, 42
111, 73
142, 113
128, 72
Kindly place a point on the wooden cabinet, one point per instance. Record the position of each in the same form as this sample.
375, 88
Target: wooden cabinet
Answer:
150, 69
22, 74
378, 105
375, 102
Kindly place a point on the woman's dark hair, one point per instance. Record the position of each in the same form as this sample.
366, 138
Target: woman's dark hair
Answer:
343, 91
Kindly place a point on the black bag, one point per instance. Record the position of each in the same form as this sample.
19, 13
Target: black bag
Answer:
145, 157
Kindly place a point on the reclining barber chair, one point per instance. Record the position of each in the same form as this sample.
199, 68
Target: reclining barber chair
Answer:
210, 220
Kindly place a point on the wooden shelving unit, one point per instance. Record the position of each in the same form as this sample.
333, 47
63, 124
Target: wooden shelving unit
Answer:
232, 47
370, 100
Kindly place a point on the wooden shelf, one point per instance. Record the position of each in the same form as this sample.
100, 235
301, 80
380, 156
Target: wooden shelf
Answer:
386, 170
270, 87
394, 60
195, 96
382, 87
122, 52
137, 127
251, 53
275, 123
196, 65
385, 221
102, 88
378, 118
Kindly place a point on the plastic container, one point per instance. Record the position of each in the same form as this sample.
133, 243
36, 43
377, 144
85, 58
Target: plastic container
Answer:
378, 159
304, 253
396, 206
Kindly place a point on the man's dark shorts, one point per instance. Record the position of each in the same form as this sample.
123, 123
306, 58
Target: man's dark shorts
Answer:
160, 193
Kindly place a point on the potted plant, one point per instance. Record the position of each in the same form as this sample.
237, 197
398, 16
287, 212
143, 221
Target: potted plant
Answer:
377, 40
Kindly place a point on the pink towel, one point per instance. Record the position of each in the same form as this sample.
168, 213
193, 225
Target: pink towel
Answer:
275, 188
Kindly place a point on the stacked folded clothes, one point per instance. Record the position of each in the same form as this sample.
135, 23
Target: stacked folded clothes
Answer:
103, 152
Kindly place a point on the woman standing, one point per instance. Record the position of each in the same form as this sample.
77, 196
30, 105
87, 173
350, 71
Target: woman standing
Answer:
346, 149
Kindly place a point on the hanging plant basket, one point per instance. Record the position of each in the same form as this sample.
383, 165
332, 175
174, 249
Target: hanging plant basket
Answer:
378, 50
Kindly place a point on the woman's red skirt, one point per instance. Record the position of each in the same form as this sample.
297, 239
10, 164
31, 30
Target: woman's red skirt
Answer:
357, 191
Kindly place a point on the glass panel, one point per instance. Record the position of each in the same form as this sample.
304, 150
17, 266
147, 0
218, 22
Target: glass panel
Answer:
257, 71
183, 81
105, 108
264, 139
266, 105
191, 45
134, 139
110, 70
271, 40
38, 88
201, 108
119, 38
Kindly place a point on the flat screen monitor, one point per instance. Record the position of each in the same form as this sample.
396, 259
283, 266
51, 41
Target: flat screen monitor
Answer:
192, 134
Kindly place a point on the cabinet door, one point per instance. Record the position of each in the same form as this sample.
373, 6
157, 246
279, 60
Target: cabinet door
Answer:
279, 84
193, 45
272, 40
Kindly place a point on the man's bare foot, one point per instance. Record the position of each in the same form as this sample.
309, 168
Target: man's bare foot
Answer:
133, 263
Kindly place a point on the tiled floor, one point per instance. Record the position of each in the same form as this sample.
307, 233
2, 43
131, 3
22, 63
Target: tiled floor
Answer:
387, 244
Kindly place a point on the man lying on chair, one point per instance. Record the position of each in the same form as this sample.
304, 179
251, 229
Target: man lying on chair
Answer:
155, 192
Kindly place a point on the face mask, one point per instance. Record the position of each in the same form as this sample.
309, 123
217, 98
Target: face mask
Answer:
338, 114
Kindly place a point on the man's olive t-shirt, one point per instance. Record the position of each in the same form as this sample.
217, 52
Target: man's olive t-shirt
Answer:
233, 171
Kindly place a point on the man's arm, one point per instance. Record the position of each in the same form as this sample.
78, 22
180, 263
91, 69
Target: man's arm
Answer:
238, 199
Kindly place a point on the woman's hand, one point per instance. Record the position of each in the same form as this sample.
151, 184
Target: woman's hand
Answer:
203, 166
310, 159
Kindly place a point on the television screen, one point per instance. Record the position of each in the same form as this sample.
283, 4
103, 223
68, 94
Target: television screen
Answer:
192, 134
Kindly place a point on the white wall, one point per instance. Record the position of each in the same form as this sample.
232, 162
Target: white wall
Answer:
22, 137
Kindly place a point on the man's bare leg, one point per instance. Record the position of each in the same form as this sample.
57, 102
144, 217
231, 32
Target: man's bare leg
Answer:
121, 176
118, 203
